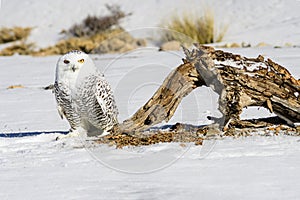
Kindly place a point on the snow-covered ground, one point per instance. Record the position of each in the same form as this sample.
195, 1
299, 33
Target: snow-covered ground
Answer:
248, 168
38, 167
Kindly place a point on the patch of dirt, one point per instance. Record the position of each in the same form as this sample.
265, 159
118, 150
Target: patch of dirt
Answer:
183, 133
120, 140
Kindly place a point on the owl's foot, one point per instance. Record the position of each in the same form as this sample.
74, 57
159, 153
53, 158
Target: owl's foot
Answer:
104, 133
73, 134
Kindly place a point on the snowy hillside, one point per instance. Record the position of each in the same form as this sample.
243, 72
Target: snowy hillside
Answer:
275, 22
38, 167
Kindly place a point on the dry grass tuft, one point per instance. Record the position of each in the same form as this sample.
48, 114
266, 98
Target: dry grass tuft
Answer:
14, 34
200, 29
15, 87
18, 48
85, 44
93, 25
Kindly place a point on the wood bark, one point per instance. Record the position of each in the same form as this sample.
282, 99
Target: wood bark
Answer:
163, 104
240, 82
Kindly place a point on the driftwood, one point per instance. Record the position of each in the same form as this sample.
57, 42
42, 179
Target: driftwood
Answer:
163, 104
239, 81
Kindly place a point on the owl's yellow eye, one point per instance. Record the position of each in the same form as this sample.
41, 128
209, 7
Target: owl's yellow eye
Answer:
81, 61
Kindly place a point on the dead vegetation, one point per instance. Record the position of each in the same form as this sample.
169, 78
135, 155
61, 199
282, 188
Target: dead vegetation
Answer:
17, 36
85, 44
21, 48
95, 34
15, 87
14, 34
122, 140
177, 133
93, 25
183, 133
188, 27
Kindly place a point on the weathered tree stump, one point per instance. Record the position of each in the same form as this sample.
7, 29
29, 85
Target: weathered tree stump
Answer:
240, 82
163, 104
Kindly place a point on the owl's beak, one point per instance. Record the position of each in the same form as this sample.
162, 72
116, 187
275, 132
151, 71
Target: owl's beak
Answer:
73, 67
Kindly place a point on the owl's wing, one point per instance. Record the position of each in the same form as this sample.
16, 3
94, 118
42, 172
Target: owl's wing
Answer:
65, 105
105, 98
61, 111
60, 97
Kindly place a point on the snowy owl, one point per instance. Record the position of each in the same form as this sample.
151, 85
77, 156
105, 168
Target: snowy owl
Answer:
83, 95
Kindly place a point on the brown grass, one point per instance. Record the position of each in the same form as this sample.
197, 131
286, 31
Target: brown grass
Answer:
93, 25
18, 48
14, 34
88, 44
200, 29
85, 44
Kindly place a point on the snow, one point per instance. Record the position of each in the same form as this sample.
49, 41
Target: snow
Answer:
274, 22
249, 168
38, 167
252, 65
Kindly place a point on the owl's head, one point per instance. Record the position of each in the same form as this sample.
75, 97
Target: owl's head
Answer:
73, 64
